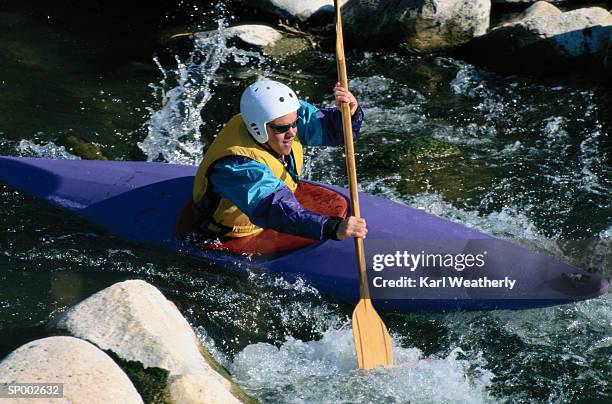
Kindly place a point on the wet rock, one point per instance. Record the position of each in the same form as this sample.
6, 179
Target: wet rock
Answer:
271, 41
256, 35
418, 26
88, 374
424, 164
543, 44
20, 53
301, 10
399, 154
429, 77
79, 147
288, 46
456, 178
137, 323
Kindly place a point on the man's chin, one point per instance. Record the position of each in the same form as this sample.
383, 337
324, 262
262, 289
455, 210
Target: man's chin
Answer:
287, 149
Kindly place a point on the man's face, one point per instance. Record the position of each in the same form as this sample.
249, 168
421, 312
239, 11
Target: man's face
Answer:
281, 133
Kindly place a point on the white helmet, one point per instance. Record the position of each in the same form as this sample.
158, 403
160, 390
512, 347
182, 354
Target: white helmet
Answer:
263, 102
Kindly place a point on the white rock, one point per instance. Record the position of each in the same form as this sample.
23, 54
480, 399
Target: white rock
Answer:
135, 321
272, 42
256, 35
541, 44
575, 32
296, 9
419, 26
88, 374
196, 389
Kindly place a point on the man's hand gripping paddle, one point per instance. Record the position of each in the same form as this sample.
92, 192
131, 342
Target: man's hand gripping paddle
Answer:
372, 341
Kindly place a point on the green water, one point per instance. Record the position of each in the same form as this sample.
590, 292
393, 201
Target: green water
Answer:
534, 166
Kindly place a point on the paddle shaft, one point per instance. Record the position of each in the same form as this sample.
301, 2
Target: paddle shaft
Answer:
350, 154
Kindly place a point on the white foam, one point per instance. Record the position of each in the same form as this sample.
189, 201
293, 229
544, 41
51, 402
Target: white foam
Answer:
555, 128
607, 233
507, 223
471, 135
321, 164
512, 147
544, 326
326, 371
389, 106
211, 346
589, 158
48, 150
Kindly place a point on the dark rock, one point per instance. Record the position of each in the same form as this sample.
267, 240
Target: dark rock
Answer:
543, 44
418, 26
79, 147
394, 156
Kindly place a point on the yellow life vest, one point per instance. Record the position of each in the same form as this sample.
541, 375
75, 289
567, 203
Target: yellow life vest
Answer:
234, 140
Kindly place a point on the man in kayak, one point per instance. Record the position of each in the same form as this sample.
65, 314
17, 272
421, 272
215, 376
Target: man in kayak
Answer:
247, 179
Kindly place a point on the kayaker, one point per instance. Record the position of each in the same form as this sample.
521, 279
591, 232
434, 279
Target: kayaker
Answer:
248, 176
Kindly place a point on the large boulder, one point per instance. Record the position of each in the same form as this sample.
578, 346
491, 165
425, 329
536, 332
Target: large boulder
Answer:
543, 44
418, 26
541, 9
301, 10
88, 375
538, 9
137, 323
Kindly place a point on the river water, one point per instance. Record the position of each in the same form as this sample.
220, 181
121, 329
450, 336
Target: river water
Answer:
535, 167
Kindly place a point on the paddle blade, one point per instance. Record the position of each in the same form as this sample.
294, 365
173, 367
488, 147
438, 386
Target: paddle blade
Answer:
372, 341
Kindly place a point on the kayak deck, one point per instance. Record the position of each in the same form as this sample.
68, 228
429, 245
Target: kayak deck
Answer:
312, 197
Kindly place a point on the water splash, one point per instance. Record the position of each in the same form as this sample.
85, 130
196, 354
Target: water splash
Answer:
28, 148
326, 371
174, 129
389, 106
508, 223
590, 160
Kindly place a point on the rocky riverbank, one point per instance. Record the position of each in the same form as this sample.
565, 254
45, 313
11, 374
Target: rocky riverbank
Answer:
525, 37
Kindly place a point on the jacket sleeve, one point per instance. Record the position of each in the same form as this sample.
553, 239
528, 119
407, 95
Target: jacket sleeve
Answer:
323, 126
265, 199
282, 212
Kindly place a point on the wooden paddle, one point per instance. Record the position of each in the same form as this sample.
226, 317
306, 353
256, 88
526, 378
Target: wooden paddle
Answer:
372, 341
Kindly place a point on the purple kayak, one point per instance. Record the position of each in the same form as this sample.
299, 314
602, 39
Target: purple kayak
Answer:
416, 261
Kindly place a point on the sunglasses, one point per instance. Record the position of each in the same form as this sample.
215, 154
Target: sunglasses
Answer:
283, 128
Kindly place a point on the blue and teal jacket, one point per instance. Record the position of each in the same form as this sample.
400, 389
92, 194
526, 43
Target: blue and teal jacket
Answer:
267, 200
